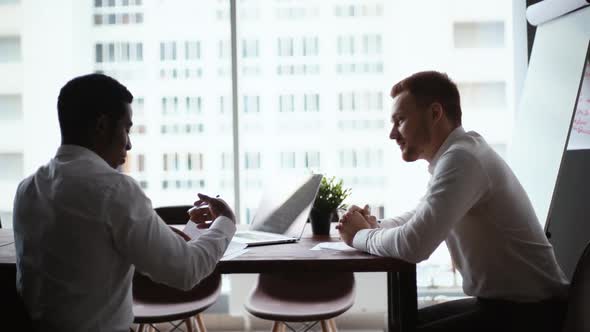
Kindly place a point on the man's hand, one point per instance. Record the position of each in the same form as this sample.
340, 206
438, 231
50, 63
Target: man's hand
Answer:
366, 213
350, 224
208, 209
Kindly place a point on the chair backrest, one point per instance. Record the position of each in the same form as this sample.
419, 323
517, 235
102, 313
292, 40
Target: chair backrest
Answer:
176, 214
318, 286
147, 290
577, 318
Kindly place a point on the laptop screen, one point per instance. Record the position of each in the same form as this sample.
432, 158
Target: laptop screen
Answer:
284, 208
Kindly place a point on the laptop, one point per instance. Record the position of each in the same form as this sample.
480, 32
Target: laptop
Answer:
282, 213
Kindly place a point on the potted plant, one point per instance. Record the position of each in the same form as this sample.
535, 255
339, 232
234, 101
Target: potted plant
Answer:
327, 202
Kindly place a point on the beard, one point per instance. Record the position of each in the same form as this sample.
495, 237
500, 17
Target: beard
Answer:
420, 139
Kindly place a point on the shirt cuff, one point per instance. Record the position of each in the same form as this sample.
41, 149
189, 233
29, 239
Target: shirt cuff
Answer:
225, 225
360, 240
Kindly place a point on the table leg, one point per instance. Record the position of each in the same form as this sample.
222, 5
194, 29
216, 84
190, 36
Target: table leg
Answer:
402, 301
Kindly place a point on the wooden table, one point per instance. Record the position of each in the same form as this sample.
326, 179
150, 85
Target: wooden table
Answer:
401, 276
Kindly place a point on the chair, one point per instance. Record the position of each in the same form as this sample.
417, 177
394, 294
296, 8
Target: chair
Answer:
155, 303
577, 318
302, 297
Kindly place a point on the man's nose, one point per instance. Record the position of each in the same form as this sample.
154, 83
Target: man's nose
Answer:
394, 134
128, 145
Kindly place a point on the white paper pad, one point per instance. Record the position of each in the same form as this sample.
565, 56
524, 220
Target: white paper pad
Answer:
192, 231
233, 250
333, 246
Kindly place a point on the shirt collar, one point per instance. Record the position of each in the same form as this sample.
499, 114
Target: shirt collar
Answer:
453, 136
70, 151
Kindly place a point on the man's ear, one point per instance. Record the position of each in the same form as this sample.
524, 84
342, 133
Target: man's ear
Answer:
102, 127
436, 111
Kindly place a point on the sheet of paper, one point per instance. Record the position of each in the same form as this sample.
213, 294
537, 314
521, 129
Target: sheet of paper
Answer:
192, 231
234, 249
333, 246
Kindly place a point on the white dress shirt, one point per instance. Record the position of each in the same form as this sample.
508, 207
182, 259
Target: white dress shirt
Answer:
475, 203
80, 229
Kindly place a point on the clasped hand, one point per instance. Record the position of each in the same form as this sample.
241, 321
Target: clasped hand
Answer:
354, 220
207, 209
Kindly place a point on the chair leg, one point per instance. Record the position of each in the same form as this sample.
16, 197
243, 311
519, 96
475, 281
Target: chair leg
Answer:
277, 326
189, 324
200, 324
325, 326
333, 325
140, 328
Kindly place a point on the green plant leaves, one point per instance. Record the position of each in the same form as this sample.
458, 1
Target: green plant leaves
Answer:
331, 194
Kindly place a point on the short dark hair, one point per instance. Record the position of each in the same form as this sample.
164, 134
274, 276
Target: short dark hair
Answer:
83, 99
428, 87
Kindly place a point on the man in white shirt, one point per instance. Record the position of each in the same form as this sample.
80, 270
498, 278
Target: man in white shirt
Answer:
81, 227
477, 206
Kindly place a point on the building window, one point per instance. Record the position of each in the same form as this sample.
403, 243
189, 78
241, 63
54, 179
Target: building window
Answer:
286, 103
118, 52
227, 161
371, 44
483, 95
347, 101
10, 49
11, 107
310, 46
311, 102
252, 160
192, 50
285, 46
251, 104
249, 48
287, 159
347, 158
167, 51
194, 161
478, 34
140, 163
312, 159
345, 45
12, 166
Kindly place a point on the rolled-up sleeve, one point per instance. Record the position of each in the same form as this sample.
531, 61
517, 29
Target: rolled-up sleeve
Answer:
155, 250
458, 181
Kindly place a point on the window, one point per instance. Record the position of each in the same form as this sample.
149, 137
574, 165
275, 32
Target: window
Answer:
252, 160
250, 48
285, 46
482, 95
347, 101
311, 160
168, 51
313, 83
311, 102
10, 107
287, 159
286, 103
478, 34
192, 50
251, 104
10, 49
140, 163
12, 167
371, 44
345, 45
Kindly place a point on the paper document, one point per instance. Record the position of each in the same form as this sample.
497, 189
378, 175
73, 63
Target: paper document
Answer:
333, 246
234, 249
192, 231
